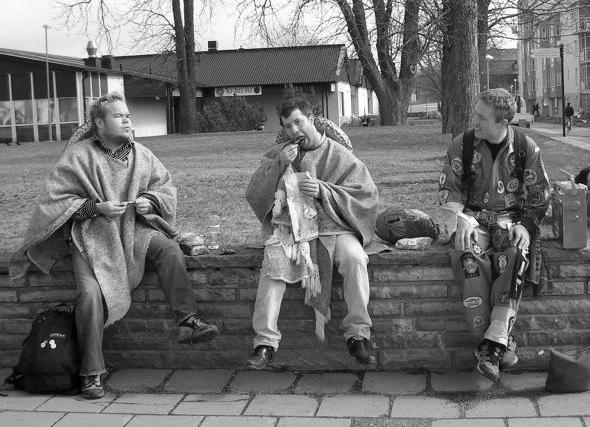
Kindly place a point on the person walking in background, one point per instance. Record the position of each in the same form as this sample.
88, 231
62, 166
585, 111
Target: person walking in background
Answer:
568, 113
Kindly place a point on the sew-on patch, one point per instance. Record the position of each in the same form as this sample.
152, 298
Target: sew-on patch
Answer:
486, 197
476, 157
510, 163
510, 200
443, 196
472, 302
442, 180
530, 176
512, 185
457, 165
477, 321
470, 267
502, 263
500, 187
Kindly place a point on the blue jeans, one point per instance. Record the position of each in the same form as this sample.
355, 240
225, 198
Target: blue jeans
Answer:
166, 258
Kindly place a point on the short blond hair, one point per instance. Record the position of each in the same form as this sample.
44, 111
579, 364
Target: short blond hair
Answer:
501, 101
97, 107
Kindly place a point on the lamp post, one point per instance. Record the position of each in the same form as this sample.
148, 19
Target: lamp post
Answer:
48, 89
515, 88
488, 59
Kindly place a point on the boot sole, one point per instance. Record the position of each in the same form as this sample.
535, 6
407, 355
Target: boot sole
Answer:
481, 371
202, 337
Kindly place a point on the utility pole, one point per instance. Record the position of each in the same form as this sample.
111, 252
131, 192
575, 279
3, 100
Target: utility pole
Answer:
48, 88
562, 90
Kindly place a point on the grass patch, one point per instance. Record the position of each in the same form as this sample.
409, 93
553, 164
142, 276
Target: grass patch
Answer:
212, 172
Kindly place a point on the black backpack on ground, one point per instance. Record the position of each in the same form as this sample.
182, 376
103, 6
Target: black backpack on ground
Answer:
50, 358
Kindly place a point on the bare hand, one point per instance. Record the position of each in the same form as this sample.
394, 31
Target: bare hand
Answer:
111, 209
520, 237
463, 236
288, 154
310, 187
142, 205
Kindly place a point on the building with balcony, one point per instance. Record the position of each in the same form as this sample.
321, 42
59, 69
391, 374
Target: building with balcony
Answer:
543, 28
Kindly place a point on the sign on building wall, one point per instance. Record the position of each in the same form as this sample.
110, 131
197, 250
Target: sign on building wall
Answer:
545, 52
238, 91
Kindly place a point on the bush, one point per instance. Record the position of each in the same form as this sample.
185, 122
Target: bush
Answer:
230, 114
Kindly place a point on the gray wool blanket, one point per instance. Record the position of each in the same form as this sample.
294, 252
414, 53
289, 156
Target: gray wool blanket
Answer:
114, 248
347, 204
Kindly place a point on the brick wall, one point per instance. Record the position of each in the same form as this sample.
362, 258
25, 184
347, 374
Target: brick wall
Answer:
415, 306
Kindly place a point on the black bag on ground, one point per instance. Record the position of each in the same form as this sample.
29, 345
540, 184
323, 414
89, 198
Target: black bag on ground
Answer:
50, 358
395, 223
569, 373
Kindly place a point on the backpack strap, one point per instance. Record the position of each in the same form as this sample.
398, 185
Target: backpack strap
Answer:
467, 159
520, 148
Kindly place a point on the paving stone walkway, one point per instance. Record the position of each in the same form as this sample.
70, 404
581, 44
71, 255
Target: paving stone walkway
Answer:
225, 398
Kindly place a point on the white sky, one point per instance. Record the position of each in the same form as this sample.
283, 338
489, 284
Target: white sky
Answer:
21, 24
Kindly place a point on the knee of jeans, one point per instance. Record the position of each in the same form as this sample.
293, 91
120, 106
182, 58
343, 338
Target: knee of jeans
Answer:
353, 257
511, 252
89, 293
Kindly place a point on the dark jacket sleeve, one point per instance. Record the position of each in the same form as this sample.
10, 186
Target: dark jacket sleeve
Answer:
536, 184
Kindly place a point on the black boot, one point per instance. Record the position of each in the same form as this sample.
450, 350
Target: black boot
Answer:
360, 348
194, 329
261, 357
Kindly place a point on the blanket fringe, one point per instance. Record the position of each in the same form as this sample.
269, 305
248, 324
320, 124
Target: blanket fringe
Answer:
320, 324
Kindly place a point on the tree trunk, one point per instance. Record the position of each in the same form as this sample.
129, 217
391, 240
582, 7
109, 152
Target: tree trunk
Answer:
189, 37
409, 56
482, 41
460, 69
187, 104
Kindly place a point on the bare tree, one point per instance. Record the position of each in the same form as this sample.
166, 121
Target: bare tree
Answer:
388, 48
163, 24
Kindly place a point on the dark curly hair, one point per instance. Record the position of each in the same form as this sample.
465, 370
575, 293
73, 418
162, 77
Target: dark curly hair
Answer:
582, 176
292, 103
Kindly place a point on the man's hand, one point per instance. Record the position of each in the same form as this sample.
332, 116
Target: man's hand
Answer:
111, 209
142, 205
520, 237
288, 154
463, 236
309, 187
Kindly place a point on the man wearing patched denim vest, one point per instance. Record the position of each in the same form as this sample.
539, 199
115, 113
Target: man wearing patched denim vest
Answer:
494, 191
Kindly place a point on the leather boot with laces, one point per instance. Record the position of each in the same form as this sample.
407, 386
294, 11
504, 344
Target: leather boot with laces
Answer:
360, 349
92, 387
510, 358
195, 329
488, 355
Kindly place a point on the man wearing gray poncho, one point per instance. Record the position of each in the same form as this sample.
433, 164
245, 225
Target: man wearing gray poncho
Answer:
113, 203
317, 204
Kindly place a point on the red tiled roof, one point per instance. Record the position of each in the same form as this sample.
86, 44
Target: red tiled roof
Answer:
245, 67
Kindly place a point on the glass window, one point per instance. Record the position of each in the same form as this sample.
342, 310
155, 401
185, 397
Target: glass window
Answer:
42, 112
103, 84
66, 84
68, 110
21, 86
4, 93
40, 85
23, 111
5, 134
5, 119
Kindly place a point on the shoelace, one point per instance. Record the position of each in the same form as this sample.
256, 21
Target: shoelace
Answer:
92, 381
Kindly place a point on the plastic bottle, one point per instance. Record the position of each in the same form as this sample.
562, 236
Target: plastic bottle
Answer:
213, 232
414, 244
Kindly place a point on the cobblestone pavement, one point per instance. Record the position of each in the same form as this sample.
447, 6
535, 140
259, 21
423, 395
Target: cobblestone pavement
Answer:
225, 398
